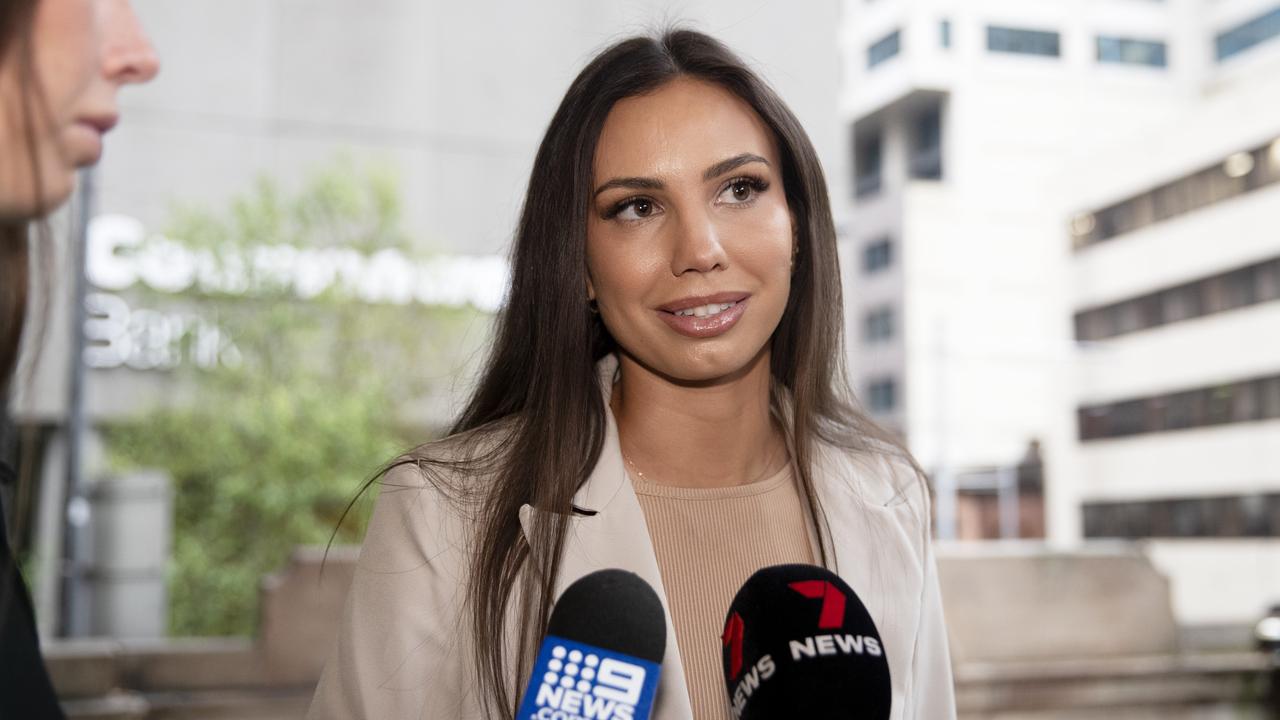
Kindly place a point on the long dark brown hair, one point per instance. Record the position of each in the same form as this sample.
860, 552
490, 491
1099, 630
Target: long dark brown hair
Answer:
16, 19
539, 390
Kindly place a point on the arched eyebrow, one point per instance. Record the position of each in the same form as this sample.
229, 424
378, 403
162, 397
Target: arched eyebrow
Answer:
733, 163
720, 168
633, 183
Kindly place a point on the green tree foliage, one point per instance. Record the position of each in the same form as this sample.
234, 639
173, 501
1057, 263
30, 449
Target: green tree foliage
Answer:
267, 448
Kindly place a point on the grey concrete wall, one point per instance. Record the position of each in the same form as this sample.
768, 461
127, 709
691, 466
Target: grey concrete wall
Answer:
453, 94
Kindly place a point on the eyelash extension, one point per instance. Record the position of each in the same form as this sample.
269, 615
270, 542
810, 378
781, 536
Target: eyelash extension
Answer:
758, 184
621, 205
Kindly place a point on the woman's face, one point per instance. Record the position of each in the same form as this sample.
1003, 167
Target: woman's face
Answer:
83, 52
689, 203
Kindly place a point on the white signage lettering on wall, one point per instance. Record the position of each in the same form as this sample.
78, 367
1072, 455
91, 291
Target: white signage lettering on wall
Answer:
121, 254
144, 339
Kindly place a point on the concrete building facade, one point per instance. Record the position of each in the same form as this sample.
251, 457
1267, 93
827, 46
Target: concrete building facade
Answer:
995, 146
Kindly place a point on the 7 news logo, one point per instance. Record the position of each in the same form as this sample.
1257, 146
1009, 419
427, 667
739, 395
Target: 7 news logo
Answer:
582, 682
831, 616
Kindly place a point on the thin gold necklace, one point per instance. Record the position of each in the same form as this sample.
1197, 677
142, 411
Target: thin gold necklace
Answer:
641, 476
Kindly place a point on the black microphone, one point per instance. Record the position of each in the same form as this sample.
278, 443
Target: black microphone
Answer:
602, 654
799, 643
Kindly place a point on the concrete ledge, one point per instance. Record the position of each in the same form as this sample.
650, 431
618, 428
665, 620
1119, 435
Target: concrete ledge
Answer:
116, 706
1029, 603
94, 668
1148, 682
266, 704
83, 668
192, 664
273, 704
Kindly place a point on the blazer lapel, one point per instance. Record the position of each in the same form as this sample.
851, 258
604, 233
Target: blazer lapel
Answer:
616, 537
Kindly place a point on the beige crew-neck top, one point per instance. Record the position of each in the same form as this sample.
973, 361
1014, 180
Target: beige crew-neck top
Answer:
708, 541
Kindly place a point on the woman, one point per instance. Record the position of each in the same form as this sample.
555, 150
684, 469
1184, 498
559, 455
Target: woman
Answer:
665, 395
61, 64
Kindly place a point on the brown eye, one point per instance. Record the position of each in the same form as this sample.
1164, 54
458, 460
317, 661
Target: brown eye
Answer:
742, 191
643, 207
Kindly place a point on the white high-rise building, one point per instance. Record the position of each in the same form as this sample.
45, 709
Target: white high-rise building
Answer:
996, 144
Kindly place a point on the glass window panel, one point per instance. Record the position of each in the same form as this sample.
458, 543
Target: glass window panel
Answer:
1128, 317
1186, 518
884, 48
926, 153
882, 395
878, 325
1084, 328
1182, 303
1248, 34
1093, 422
1238, 288
1131, 52
1247, 402
877, 256
1220, 403
867, 165
1181, 411
1267, 281
1269, 405
1253, 511
1157, 412
1128, 418
1023, 42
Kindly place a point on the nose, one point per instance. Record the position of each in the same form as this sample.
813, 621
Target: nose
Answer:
128, 56
697, 245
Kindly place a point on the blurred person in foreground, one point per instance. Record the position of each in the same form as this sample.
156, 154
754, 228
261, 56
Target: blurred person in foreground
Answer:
61, 64
666, 395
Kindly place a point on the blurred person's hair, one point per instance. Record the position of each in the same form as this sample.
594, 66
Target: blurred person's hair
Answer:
16, 20
539, 393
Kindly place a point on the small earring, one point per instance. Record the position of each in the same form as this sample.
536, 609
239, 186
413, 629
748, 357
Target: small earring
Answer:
592, 306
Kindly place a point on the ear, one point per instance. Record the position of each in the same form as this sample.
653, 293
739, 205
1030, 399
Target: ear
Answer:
591, 289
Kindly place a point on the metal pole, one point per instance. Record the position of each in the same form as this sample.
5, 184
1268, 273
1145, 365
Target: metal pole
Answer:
1007, 489
944, 483
75, 545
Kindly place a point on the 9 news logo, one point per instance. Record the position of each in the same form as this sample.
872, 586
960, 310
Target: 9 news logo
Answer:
581, 682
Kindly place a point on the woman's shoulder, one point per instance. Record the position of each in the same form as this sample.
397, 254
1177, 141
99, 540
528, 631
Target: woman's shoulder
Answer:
430, 496
459, 462
879, 475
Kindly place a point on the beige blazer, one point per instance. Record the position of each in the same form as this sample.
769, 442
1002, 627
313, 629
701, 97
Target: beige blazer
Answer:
403, 651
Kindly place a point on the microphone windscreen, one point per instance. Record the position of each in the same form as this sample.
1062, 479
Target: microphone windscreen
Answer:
602, 655
798, 642
613, 610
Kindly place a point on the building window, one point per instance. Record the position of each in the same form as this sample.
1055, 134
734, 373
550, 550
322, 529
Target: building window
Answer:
1127, 51
1248, 34
944, 33
884, 48
866, 164
926, 145
1246, 400
1241, 287
882, 395
877, 256
878, 325
1023, 42
1255, 515
1239, 173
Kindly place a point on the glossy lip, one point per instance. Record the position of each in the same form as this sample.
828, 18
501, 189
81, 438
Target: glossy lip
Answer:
691, 302
100, 123
706, 327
